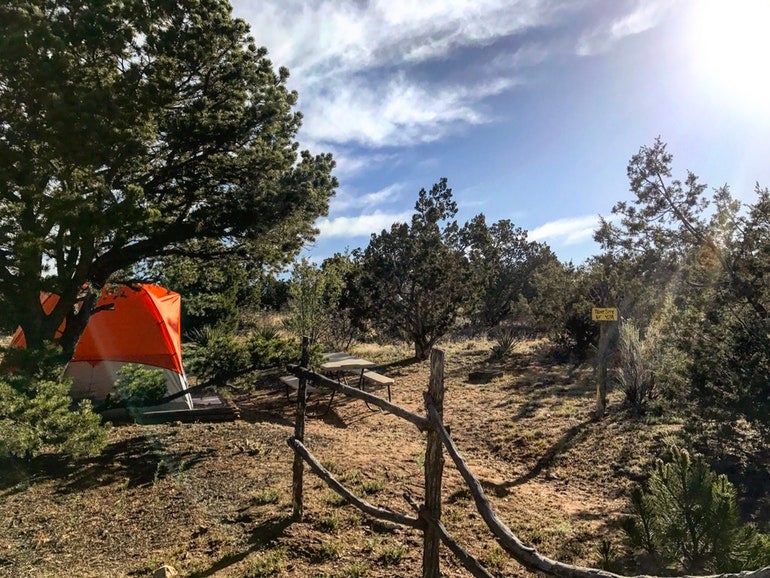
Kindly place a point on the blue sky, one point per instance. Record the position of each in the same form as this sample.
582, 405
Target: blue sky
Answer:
530, 108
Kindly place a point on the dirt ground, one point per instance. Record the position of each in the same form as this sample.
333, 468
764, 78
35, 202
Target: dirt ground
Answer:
214, 499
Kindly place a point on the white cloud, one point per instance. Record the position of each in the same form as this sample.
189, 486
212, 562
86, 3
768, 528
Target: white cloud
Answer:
361, 226
349, 164
381, 196
344, 200
325, 36
647, 15
523, 57
360, 65
350, 160
566, 231
351, 62
397, 113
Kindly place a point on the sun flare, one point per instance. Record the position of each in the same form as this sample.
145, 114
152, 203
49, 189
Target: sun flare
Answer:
730, 42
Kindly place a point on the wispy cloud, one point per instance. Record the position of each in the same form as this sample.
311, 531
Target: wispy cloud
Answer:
322, 38
345, 200
361, 226
350, 162
352, 63
364, 68
566, 231
645, 16
399, 113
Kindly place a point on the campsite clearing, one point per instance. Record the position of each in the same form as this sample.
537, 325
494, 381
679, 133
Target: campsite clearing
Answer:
213, 499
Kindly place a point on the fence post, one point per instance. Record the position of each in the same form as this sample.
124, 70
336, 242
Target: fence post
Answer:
298, 467
434, 470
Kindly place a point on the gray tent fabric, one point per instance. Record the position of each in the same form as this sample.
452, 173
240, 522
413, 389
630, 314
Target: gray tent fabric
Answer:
96, 381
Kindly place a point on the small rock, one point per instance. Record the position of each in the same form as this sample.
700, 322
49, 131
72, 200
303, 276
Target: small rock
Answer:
165, 571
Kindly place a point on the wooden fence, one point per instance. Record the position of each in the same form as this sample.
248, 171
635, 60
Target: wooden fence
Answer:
428, 514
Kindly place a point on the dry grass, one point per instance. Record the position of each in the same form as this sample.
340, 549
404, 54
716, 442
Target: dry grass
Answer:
214, 499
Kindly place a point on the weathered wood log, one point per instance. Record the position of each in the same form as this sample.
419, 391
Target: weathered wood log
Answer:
322, 381
434, 468
470, 562
299, 434
381, 513
485, 375
529, 557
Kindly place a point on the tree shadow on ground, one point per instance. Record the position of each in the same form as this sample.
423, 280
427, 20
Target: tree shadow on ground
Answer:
134, 462
565, 442
268, 531
268, 405
540, 393
399, 364
137, 462
272, 405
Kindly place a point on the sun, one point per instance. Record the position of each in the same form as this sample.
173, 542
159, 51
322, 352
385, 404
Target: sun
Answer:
730, 45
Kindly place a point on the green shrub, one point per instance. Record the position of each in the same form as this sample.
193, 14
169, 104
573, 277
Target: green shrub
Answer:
35, 412
140, 386
307, 310
633, 373
268, 349
216, 355
506, 337
608, 557
688, 515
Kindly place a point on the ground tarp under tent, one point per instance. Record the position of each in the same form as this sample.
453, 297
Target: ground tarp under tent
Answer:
137, 324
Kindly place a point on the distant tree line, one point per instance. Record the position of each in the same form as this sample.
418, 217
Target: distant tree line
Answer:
687, 267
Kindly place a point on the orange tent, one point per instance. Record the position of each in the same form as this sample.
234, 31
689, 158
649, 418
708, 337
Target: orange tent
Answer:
137, 324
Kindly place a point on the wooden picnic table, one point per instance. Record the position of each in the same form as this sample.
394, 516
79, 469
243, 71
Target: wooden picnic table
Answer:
335, 365
347, 364
339, 362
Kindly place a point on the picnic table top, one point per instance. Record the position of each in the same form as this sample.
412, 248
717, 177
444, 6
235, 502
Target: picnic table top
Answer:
336, 356
347, 363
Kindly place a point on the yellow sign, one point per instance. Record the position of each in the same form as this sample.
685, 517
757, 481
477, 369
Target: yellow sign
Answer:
604, 314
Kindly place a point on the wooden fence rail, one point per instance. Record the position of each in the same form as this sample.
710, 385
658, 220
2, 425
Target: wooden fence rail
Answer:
380, 513
332, 385
429, 514
470, 562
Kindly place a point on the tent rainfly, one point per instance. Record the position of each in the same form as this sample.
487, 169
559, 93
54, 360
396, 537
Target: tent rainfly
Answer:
137, 324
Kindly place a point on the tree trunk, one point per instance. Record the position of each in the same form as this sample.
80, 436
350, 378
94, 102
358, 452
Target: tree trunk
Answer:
76, 324
33, 321
421, 349
40, 327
